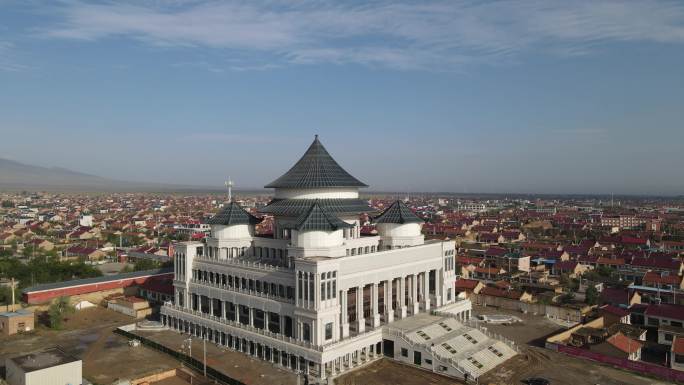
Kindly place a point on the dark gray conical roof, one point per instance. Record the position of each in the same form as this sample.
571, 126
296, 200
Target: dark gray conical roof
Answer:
316, 169
233, 214
316, 218
398, 212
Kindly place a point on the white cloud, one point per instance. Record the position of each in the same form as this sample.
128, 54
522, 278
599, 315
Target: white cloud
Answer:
7, 60
440, 35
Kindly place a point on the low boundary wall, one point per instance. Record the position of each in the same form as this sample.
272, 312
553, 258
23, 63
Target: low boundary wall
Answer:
636, 366
188, 361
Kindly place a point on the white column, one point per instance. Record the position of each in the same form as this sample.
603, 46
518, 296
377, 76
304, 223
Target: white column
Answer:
414, 294
375, 314
439, 287
361, 322
266, 319
389, 311
402, 297
343, 313
425, 286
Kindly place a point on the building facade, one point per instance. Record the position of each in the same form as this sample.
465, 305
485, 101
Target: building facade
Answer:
315, 295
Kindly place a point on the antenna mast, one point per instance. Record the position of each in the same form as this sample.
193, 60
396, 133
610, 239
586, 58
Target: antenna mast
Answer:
229, 184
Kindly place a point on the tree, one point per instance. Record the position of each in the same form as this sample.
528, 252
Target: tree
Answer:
58, 310
7, 204
591, 296
567, 298
6, 295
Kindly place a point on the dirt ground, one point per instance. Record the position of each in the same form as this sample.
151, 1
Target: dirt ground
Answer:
234, 364
88, 335
387, 372
535, 361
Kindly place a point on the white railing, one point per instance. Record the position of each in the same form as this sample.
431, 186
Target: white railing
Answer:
253, 293
243, 262
263, 332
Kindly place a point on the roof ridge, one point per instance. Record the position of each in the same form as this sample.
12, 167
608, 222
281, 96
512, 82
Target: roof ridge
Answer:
399, 213
233, 214
317, 218
316, 168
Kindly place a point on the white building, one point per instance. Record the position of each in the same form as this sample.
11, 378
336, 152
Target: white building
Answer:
86, 220
49, 367
316, 296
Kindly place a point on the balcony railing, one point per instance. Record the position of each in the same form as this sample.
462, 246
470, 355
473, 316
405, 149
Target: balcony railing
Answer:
253, 293
248, 328
244, 262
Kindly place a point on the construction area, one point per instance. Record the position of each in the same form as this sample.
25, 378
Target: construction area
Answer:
87, 334
107, 357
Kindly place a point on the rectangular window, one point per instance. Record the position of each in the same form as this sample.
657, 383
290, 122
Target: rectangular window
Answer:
329, 331
299, 286
329, 290
404, 352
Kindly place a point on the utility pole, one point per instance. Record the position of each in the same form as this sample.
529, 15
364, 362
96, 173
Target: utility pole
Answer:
229, 184
13, 299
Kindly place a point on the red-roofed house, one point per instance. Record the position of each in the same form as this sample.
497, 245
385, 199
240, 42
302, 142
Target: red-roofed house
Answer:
490, 238
619, 297
84, 253
572, 268
487, 273
613, 314
664, 314
468, 286
620, 346
663, 280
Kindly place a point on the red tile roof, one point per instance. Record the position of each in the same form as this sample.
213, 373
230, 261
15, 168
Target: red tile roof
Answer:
665, 310
466, 284
614, 310
654, 278
624, 343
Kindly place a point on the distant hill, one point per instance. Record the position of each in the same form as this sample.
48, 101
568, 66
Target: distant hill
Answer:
20, 176
15, 174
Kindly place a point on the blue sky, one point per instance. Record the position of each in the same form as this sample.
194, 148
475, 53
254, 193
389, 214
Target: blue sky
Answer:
525, 96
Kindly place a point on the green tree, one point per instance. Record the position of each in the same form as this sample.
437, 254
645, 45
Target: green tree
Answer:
566, 298
58, 310
591, 296
6, 295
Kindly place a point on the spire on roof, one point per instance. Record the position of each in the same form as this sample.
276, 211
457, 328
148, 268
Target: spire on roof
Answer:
316, 218
233, 214
398, 212
316, 168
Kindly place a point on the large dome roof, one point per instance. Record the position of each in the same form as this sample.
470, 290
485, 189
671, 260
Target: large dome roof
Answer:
316, 169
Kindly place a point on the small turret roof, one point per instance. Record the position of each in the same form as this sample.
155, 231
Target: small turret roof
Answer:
316, 218
233, 214
316, 169
398, 212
